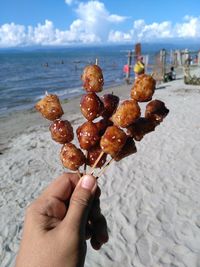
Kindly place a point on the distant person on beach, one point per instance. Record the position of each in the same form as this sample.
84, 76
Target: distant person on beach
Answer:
172, 74
59, 221
139, 67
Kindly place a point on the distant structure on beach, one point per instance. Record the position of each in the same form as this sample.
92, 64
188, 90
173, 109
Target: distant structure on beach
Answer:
163, 64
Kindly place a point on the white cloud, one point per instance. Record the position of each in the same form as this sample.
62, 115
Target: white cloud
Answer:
12, 35
117, 36
69, 2
189, 28
96, 19
95, 24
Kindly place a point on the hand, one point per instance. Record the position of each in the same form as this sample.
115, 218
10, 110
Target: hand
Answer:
59, 221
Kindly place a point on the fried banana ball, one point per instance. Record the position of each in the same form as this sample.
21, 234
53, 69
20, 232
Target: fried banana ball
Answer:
128, 149
142, 126
92, 156
50, 107
126, 113
92, 78
88, 135
71, 157
91, 106
102, 125
113, 140
143, 88
61, 131
110, 103
156, 111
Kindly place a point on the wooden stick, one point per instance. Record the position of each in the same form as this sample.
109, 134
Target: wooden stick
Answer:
79, 174
96, 61
85, 165
104, 168
96, 162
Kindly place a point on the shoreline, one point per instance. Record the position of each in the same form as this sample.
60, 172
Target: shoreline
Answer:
30, 118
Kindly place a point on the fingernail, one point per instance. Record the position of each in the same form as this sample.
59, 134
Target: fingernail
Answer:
88, 182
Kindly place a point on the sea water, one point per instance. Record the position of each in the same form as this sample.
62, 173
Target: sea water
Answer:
25, 74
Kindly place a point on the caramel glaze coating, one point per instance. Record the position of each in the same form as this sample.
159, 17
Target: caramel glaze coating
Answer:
113, 140
128, 149
91, 106
142, 126
126, 113
143, 88
88, 135
156, 111
92, 78
92, 156
102, 125
50, 107
71, 157
110, 103
61, 131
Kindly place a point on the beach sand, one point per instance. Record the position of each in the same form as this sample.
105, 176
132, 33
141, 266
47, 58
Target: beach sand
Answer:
151, 200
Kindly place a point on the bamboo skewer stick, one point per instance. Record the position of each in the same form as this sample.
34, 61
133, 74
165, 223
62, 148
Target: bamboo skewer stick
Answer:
96, 162
104, 168
79, 174
85, 165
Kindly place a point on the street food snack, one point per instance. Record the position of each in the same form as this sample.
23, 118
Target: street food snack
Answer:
113, 140
71, 157
126, 113
92, 78
143, 88
156, 111
88, 135
128, 149
50, 107
91, 106
102, 136
110, 103
102, 125
93, 155
61, 131
142, 126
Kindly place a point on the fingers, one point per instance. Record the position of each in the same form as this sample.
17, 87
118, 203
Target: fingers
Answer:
62, 187
98, 232
80, 204
49, 209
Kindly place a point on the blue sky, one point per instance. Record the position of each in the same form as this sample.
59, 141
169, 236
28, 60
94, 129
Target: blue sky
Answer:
68, 22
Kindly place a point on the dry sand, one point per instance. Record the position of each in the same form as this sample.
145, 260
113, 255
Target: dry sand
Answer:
151, 200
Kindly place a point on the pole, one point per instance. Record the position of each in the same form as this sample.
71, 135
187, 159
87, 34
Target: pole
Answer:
129, 66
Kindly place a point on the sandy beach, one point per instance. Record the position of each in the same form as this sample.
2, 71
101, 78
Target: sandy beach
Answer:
151, 200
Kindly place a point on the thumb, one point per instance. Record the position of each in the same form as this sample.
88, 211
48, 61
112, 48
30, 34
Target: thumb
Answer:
80, 203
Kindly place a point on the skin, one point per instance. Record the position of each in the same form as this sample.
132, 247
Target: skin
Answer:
58, 223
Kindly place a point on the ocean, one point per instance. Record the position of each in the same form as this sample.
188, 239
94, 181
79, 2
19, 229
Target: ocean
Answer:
26, 74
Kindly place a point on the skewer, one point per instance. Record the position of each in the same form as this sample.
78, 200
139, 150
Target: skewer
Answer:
96, 61
104, 168
85, 165
79, 174
96, 162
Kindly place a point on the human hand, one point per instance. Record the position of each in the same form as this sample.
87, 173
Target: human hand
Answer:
59, 221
